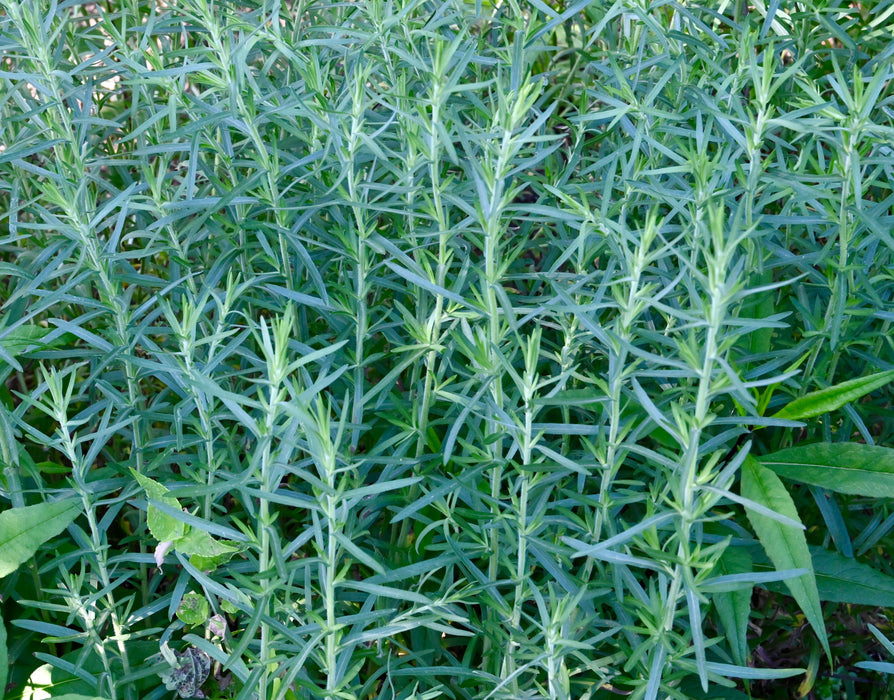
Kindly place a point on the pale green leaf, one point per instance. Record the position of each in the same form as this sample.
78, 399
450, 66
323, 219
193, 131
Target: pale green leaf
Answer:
194, 609
25, 529
785, 546
163, 527
200, 542
729, 671
823, 401
845, 467
879, 666
205, 552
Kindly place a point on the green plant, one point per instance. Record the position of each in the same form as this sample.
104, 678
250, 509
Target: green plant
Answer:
411, 349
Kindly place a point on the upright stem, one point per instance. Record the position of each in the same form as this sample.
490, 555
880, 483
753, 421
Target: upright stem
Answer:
362, 229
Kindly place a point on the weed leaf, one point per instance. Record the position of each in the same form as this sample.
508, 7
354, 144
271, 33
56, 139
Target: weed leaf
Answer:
163, 527
786, 546
25, 529
844, 467
823, 401
841, 579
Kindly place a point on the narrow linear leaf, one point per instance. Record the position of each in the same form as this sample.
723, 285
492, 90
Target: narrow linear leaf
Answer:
23, 530
738, 582
861, 470
785, 546
883, 640
729, 671
734, 607
696, 624
880, 666
656, 671
823, 401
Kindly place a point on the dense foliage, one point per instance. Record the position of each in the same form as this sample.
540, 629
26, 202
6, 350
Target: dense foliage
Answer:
422, 349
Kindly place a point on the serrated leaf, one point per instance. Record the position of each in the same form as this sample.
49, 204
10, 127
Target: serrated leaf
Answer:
844, 467
834, 397
786, 546
841, 579
23, 530
163, 527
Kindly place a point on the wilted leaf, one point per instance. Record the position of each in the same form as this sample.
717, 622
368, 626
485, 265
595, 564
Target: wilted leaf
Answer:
188, 672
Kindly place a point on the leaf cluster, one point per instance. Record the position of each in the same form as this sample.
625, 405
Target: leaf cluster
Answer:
465, 349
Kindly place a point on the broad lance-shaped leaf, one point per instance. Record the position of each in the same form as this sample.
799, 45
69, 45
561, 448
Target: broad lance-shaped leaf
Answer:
819, 402
845, 467
841, 579
23, 530
786, 546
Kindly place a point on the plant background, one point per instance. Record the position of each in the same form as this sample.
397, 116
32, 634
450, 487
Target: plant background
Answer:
435, 339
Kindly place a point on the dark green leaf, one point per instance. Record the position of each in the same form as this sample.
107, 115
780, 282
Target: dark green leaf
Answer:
786, 546
845, 467
841, 579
